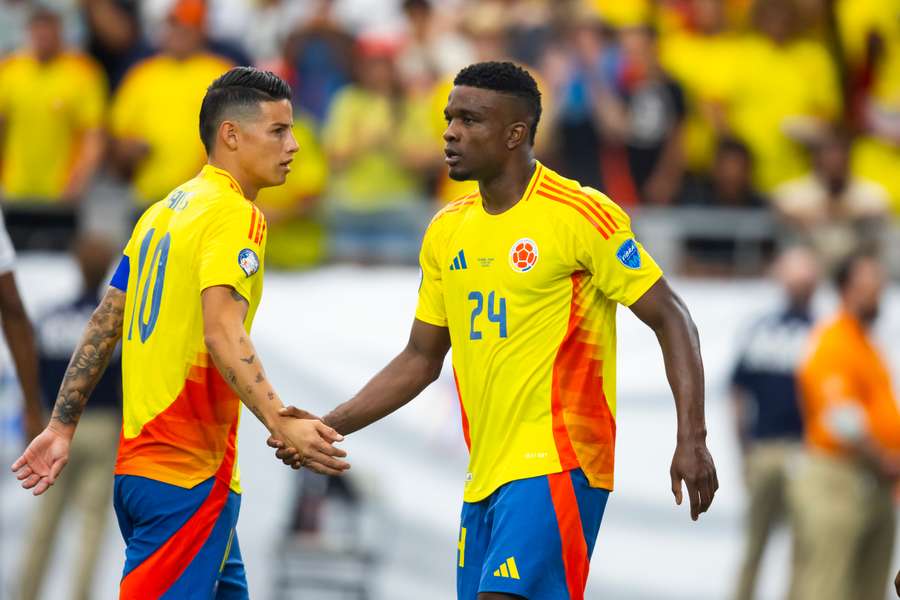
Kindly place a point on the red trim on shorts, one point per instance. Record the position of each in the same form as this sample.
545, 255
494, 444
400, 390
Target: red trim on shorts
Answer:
571, 533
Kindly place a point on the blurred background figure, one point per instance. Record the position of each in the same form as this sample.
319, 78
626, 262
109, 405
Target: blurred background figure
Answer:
379, 162
845, 529
729, 183
767, 410
772, 106
52, 103
153, 118
86, 484
115, 36
830, 207
19, 336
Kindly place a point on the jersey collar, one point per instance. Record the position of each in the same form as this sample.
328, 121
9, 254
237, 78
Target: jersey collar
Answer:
221, 177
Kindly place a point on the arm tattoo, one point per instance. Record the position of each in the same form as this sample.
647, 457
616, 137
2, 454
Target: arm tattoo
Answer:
237, 297
259, 377
271, 395
91, 356
249, 360
229, 372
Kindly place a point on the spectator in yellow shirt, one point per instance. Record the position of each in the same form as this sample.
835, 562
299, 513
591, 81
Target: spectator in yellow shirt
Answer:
154, 113
51, 111
785, 95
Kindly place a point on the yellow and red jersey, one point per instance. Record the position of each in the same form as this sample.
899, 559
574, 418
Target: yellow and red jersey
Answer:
180, 417
529, 297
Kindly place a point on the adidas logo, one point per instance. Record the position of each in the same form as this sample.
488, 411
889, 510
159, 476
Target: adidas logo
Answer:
508, 569
459, 262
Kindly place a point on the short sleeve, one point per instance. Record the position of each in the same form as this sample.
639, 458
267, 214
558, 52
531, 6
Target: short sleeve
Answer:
232, 249
431, 307
125, 110
606, 247
7, 252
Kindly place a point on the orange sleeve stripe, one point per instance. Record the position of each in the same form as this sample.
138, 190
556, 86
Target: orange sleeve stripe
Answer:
537, 179
452, 208
593, 206
252, 221
593, 201
542, 192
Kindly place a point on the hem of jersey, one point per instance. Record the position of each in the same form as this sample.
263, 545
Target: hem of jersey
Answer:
431, 320
643, 289
187, 483
604, 482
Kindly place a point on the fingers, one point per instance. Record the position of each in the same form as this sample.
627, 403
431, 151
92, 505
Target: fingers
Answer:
319, 468
694, 496
20, 462
273, 443
55, 469
329, 449
24, 472
327, 461
328, 433
287, 455
42, 486
31, 481
296, 413
676, 487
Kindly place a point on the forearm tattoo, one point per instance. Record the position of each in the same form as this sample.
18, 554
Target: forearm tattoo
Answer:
90, 358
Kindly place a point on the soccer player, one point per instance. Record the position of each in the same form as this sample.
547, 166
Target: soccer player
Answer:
182, 300
522, 278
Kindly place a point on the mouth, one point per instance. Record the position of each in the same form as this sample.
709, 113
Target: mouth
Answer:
286, 164
451, 157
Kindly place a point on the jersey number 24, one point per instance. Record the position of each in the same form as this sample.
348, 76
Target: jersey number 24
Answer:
496, 313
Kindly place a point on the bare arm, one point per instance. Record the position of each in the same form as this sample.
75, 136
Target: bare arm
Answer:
666, 314
85, 166
48, 453
236, 359
400, 381
20, 339
404, 378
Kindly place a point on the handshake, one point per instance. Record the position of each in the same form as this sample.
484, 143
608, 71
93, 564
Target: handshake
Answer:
301, 439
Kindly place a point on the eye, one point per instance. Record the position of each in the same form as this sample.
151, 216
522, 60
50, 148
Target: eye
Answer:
468, 120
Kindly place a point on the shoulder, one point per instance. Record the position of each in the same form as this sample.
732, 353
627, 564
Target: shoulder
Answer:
144, 70
14, 61
579, 206
81, 63
453, 211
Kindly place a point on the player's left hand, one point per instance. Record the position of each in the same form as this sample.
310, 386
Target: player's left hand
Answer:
42, 461
693, 464
288, 454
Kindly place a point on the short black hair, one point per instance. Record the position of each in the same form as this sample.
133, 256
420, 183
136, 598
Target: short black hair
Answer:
241, 87
843, 273
507, 78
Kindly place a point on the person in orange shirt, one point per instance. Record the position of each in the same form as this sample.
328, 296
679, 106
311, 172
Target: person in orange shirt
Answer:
844, 490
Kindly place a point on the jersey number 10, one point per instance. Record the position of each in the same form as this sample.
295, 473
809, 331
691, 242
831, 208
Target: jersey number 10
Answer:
160, 258
494, 315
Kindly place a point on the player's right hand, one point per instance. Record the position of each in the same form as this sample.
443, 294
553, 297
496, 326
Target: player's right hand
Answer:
42, 461
309, 443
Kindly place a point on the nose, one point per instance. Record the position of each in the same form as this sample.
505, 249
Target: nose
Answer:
450, 134
293, 146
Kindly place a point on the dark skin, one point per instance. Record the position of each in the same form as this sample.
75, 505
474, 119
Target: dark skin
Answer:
488, 139
20, 339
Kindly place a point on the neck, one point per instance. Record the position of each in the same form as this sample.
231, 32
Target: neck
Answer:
249, 188
502, 192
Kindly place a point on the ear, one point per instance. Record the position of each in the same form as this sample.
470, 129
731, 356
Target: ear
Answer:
517, 134
228, 134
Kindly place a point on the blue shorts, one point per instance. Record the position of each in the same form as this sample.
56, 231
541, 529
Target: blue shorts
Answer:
179, 543
532, 537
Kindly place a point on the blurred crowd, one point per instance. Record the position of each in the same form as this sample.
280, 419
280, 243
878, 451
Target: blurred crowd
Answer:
789, 108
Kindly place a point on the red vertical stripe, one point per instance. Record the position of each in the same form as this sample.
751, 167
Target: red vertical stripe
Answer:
262, 230
153, 577
462, 412
571, 533
591, 204
537, 178
252, 222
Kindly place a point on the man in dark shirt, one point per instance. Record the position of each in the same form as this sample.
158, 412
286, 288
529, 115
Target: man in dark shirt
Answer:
764, 389
88, 478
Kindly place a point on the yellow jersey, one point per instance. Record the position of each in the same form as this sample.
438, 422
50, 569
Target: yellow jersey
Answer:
46, 108
180, 417
529, 297
158, 103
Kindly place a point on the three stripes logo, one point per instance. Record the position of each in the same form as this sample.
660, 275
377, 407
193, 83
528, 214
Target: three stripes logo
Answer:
257, 226
459, 262
508, 569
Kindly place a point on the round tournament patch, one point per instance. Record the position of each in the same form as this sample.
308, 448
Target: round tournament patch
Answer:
523, 255
248, 261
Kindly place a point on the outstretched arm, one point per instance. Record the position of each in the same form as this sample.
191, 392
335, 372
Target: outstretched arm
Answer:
400, 381
233, 353
48, 453
667, 315
20, 338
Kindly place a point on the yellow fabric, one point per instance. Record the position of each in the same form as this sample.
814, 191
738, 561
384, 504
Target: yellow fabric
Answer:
159, 103
533, 349
877, 160
374, 178
177, 410
778, 85
682, 54
46, 109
